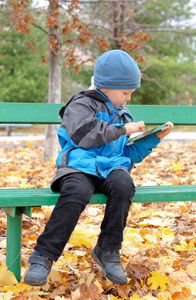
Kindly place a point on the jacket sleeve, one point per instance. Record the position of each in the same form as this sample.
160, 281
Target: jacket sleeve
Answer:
85, 129
139, 150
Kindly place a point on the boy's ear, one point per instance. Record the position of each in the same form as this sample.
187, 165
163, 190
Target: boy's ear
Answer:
104, 90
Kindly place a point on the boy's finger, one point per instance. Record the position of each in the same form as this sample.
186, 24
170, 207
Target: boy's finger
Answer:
170, 124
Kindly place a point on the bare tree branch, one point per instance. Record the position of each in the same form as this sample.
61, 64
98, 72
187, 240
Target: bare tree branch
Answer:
45, 31
172, 31
100, 26
6, 33
155, 81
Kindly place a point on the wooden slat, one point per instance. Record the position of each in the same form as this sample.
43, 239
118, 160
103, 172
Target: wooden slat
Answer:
35, 113
45, 113
158, 114
41, 197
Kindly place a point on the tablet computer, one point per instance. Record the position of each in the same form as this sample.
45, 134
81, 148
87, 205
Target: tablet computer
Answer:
146, 134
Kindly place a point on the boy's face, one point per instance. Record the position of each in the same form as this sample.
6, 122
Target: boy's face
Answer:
118, 97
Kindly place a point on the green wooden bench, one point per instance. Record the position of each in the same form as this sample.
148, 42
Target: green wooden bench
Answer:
15, 202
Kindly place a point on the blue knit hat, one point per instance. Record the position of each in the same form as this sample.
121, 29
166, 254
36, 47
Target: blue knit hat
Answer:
116, 70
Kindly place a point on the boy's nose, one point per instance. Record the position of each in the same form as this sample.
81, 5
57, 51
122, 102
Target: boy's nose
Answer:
128, 98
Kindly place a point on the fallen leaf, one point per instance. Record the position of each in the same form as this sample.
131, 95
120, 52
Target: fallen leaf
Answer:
76, 295
185, 294
191, 269
184, 246
134, 297
6, 277
157, 280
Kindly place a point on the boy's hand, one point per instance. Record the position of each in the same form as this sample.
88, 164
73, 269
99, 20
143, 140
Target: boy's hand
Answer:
134, 127
162, 134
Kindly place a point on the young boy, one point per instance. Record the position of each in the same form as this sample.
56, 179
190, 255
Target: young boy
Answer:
95, 158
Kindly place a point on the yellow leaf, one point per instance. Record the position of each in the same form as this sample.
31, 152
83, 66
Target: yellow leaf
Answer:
81, 237
89, 279
184, 246
26, 186
166, 234
88, 220
166, 230
17, 288
145, 214
151, 238
164, 296
68, 255
159, 150
6, 276
177, 166
191, 245
24, 153
183, 207
81, 281
29, 144
134, 297
131, 231
98, 284
52, 159
157, 281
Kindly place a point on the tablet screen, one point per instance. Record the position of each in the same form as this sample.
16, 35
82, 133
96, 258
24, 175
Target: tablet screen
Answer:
146, 134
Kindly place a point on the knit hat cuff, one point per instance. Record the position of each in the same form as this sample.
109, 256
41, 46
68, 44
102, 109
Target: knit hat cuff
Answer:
118, 86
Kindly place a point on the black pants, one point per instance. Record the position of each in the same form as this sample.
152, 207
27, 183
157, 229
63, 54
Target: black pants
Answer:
76, 190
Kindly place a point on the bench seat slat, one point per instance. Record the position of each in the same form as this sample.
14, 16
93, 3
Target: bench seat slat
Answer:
44, 196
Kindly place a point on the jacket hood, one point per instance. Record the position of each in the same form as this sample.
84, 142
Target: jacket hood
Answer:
83, 92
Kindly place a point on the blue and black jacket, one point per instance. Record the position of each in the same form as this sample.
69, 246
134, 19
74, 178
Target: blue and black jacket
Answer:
93, 137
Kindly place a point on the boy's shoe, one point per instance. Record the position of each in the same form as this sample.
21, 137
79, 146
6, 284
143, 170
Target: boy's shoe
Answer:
109, 261
39, 269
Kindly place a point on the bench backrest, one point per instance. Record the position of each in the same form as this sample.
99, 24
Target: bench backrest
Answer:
45, 113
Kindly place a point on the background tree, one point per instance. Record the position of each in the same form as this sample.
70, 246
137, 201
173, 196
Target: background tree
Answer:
23, 78
56, 29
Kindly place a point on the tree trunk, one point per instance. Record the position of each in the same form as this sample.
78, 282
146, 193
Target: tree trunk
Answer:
54, 94
118, 22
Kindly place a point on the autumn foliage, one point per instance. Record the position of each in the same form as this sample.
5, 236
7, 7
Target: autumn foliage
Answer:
21, 16
159, 247
68, 32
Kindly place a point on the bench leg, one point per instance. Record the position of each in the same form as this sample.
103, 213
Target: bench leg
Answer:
14, 241
8, 130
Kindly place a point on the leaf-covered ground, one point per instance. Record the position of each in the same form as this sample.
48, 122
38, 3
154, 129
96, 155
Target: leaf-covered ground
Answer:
159, 248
